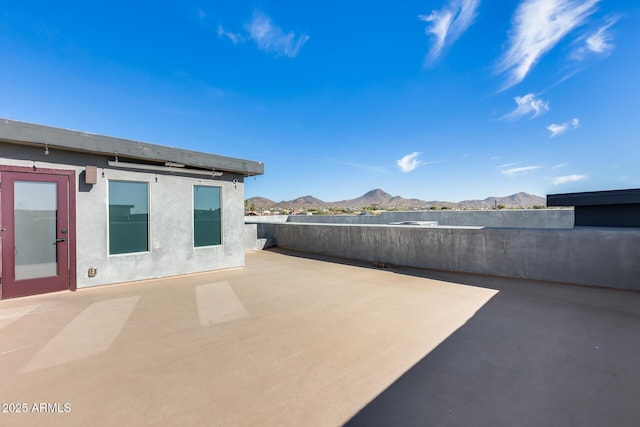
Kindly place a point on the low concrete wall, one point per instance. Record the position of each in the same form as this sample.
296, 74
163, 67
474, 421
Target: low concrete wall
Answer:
529, 218
605, 257
251, 240
250, 237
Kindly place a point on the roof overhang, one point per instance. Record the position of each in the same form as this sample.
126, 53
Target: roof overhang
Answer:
15, 132
592, 198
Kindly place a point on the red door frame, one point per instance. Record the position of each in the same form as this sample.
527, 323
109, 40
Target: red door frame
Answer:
71, 230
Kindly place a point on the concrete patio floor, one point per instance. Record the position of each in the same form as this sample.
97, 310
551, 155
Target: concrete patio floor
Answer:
297, 340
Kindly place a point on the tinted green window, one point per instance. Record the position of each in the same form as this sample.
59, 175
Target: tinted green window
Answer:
128, 217
206, 216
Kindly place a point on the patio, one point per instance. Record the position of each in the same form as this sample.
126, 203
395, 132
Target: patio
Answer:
293, 339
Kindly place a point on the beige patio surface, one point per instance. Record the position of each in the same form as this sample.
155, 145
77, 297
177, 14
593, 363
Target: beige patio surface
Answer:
284, 341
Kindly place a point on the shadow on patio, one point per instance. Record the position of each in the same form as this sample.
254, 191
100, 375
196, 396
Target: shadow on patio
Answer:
535, 354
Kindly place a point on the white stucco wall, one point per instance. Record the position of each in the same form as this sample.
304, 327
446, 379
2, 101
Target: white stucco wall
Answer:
171, 250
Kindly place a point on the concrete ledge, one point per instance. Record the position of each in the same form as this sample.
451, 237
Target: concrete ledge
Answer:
605, 257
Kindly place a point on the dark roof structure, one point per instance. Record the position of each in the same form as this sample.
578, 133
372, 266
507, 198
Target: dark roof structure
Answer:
615, 208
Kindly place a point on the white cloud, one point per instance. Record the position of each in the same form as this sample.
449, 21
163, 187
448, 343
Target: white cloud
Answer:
409, 162
448, 24
368, 168
538, 25
528, 105
598, 42
567, 178
559, 129
521, 170
440, 24
559, 166
507, 165
234, 37
270, 38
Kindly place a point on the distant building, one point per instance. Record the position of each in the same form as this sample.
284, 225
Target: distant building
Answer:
615, 208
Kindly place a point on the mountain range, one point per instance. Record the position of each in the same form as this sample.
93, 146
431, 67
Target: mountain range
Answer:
382, 199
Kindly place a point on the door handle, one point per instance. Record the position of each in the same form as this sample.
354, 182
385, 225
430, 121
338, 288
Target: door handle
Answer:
62, 239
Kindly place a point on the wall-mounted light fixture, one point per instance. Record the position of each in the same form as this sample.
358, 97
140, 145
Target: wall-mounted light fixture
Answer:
90, 175
174, 165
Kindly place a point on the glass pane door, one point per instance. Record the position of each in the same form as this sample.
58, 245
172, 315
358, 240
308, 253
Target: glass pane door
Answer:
35, 215
35, 246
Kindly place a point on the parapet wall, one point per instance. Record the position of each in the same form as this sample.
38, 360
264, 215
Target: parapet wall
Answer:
607, 257
510, 218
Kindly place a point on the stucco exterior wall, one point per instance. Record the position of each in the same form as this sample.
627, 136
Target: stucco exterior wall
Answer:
171, 250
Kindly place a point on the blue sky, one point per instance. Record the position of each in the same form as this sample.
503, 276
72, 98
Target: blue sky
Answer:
446, 100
